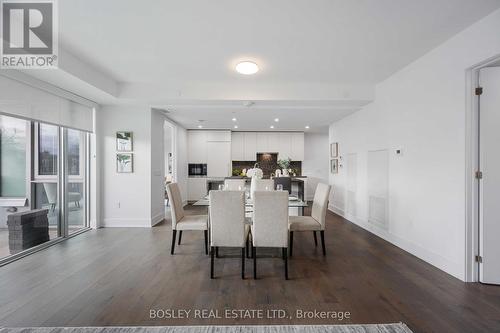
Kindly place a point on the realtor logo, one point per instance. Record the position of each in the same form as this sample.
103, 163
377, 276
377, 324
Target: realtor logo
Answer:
29, 34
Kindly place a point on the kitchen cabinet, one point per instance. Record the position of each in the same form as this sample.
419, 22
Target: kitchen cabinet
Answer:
238, 146
297, 146
250, 139
273, 143
284, 145
197, 147
262, 142
197, 188
219, 159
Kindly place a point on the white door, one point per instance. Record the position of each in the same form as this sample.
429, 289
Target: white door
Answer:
219, 159
489, 185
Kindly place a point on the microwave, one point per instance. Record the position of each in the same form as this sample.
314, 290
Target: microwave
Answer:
197, 169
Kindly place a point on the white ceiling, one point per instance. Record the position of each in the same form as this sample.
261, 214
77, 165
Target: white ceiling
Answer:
319, 59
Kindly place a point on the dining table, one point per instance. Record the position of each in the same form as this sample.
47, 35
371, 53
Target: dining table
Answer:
293, 202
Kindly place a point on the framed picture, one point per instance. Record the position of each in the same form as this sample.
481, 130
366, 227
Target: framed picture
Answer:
334, 166
124, 163
124, 141
334, 149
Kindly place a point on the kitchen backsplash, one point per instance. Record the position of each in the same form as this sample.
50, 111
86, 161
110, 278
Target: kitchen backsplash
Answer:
268, 163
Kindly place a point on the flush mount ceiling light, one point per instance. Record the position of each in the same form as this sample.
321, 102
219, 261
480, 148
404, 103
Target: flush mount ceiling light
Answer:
199, 126
271, 126
247, 68
234, 119
276, 119
307, 127
235, 126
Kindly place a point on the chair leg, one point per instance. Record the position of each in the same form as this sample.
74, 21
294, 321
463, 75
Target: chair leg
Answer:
212, 251
315, 239
205, 232
322, 233
247, 247
291, 243
217, 252
180, 236
285, 250
254, 254
242, 263
174, 233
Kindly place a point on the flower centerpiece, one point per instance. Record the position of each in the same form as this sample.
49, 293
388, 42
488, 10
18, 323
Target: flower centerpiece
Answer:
255, 173
285, 166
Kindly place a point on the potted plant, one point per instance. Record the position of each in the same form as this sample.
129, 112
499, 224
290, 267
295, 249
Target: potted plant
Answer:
285, 166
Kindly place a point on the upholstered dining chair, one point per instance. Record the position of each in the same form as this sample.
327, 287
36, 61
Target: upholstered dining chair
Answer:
270, 224
182, 222
315, 222
234, 184
227, 224
261, 185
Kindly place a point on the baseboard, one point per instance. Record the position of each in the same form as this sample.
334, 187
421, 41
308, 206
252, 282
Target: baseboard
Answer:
119, 222
420, 252
157, 219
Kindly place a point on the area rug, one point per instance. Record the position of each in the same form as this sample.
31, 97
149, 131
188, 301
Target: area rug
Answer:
373, 328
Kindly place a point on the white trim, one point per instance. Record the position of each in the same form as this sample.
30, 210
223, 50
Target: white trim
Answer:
120, 222
12, 202
157, 219
430, 257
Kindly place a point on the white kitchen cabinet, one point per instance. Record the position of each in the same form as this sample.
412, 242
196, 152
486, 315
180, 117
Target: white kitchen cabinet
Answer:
197, 147
238, 146
273, 142
262, 142
297, 146
224, 136
284, 145
250, 146
197, 188
219, 159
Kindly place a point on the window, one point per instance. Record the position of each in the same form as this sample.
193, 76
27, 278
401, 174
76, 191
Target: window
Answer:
74, 138
48, 149
13, 138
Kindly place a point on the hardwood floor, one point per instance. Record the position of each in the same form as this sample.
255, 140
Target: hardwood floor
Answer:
115, 276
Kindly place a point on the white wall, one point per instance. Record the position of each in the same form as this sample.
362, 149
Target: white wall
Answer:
126, 197
316, 162
181, 160
157, 167
421, 204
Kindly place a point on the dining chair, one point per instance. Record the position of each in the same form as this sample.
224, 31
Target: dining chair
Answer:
234, 184
261, 185
182, 222
286, 182
315, 222
270, 224
227, 224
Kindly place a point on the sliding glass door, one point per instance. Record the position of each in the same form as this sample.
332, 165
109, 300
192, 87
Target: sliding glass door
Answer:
76, 180
42, 166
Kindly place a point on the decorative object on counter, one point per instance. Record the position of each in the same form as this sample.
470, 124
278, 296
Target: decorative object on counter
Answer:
244, 173
285, 166
334, 149
268, 166
124, 141
237, 172
277, 173
255, 174
334, 166
124, 163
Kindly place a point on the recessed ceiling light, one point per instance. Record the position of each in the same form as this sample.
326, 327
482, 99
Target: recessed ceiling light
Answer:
247, 68
271, 126
235, 126
307, 127
276, 119
234, 119
199, 126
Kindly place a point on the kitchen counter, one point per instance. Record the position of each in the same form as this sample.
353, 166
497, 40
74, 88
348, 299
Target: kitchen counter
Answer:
298, 184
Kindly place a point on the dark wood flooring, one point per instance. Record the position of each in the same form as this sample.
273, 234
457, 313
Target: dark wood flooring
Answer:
115, 276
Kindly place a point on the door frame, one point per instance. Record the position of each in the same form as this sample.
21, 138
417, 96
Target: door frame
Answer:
471, 166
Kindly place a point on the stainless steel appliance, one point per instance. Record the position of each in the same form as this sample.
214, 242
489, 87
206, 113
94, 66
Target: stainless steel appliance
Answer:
197, 169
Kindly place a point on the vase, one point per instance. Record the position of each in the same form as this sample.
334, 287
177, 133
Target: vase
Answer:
285, 173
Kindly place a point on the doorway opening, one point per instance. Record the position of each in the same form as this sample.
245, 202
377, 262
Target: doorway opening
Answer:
482, 182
